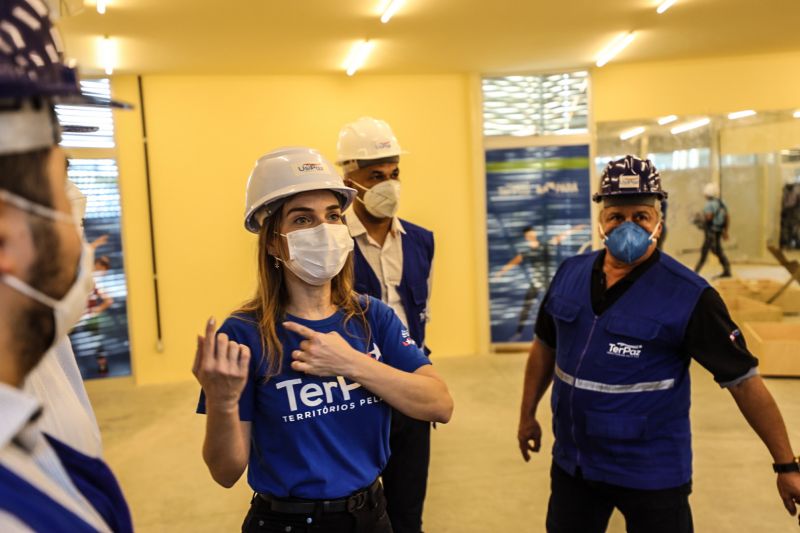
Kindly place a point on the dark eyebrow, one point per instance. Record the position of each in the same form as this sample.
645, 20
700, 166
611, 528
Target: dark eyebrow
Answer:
302, 209
331, 207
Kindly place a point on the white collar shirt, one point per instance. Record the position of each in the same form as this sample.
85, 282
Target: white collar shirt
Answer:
67, 414
24, 451
386, 261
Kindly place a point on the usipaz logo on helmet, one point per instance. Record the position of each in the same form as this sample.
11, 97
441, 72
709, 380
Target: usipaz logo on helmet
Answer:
620, 349
311, 167
383, 145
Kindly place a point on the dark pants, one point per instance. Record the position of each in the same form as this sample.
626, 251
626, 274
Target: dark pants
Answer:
367, 515
405, 478
530, 297
581, 506
713, 243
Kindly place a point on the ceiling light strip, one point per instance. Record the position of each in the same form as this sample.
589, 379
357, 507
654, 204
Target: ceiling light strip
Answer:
687, 126
631, 133
108, 54
391, 10
663, 121
663, 6
358, 55
615, 48
741, 114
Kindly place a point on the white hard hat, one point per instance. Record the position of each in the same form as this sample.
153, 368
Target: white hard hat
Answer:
284, 172
365, 139
711, 190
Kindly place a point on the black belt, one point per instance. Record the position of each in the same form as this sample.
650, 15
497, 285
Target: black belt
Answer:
355, 501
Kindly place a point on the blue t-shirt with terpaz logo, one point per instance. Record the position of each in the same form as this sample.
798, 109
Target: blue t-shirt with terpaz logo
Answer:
319, 437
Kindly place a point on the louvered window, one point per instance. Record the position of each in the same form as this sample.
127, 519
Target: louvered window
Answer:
550, 104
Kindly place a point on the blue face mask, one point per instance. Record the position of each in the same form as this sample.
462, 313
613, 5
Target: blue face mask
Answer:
629, 242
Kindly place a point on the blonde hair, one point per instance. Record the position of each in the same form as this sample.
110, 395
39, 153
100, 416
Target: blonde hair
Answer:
268, 305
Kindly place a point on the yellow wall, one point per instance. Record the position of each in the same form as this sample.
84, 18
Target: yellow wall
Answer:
696, 86
205, 134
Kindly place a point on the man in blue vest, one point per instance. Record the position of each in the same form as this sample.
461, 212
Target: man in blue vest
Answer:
45, 279
393, 261
615, 336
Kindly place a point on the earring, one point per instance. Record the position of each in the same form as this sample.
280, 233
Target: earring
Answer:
277, 264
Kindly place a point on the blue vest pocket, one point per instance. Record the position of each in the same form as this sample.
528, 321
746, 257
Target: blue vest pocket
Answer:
615, 426
564, 313
562, 309
633, 327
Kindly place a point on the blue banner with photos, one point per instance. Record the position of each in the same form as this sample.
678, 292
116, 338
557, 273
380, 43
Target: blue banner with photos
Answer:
538, 214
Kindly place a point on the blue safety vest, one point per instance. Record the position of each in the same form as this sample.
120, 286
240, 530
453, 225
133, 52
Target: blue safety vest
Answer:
90, 476
621, 390
413, 289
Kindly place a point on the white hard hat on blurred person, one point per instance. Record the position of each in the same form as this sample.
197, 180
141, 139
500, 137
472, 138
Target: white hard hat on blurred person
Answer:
367, 141
711, 190
284, 172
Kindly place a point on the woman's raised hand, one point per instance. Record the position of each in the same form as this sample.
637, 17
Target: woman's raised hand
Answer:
221, 367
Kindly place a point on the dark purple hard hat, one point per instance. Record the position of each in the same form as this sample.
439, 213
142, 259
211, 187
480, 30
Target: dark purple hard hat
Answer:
628, 179
34, 77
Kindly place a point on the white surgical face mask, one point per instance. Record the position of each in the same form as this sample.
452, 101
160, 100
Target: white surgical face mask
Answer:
317, 254
77, 201
383, 199
67, 311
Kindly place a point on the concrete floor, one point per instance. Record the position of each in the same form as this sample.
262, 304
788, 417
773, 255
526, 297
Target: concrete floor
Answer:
478, 481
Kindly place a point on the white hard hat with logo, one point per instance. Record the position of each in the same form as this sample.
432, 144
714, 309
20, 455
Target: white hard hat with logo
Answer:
366, 139
285, 172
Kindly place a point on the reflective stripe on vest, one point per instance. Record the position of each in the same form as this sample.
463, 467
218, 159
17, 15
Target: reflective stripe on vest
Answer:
614, 389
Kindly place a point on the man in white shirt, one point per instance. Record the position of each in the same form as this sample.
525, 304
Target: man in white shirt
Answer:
393, 262
45, 278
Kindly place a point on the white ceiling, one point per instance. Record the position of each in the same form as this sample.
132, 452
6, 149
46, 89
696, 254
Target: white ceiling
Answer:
425, 37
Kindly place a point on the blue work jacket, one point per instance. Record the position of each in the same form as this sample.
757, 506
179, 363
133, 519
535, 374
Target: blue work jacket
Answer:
621, 391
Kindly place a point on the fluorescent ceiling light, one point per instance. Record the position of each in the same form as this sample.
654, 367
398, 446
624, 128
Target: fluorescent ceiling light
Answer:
390, 11
663, 6
108, 54
101, 7
663, 121
741, 114
358, 55
796, 114
686, 126
631, 133
614, 48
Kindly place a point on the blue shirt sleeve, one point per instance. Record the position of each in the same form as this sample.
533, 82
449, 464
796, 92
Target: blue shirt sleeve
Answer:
244, 332
396, 346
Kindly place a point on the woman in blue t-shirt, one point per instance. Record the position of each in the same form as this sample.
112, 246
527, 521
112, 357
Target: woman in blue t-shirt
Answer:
309, 412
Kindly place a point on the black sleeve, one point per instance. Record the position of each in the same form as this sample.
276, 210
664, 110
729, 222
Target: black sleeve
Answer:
545, 325
715, 341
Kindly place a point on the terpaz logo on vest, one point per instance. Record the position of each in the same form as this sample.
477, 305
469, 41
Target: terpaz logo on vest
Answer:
620, 349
